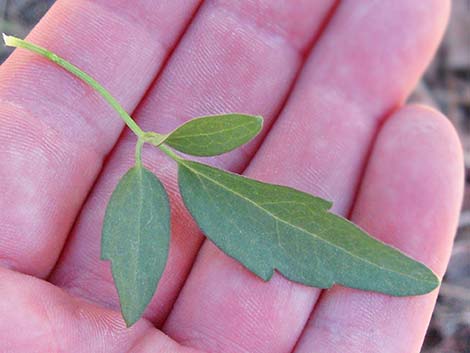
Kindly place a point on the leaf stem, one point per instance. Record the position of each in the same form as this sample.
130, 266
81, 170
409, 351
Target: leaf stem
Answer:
169, 152
152, 137
138, 152
20, 43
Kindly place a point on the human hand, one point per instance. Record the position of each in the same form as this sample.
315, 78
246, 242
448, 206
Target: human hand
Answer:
397, 171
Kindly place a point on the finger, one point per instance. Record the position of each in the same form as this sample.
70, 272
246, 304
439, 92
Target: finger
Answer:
54, 131
319, 145
235, 56
38, 317
410, 198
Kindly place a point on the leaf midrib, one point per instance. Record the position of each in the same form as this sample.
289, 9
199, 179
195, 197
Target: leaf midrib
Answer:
300, 228
139, 226
209, 133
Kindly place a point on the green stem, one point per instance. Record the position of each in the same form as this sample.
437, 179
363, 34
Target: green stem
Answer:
169, 152
20, 43
138, 152
154, 138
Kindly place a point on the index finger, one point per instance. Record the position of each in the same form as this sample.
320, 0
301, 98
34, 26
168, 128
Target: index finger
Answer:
55, 131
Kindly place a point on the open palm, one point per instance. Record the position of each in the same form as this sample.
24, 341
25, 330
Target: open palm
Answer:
329, 78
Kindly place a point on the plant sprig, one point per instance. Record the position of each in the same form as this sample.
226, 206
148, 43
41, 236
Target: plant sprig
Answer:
266, 227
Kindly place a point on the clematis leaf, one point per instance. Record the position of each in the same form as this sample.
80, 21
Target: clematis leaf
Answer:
270, 227
214, 135
136, 235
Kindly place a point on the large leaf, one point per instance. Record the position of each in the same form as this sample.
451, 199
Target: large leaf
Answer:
213, 135
267, 227
135, 238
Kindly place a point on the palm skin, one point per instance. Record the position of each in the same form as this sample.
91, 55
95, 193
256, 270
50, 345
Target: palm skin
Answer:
330, 80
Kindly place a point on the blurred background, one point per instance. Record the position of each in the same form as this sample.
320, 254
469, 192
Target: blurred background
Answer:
446, 86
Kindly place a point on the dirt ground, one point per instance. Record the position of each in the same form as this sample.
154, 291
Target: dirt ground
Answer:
446, 85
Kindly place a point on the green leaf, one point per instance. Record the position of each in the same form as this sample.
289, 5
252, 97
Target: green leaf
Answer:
267, 227
136, 235
213, 135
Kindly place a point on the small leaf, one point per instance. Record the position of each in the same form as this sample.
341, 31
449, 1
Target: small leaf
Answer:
136, 234
267, 227
213, 135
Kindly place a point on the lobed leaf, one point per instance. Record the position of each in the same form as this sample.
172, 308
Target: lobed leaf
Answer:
214, 135
136, 235
268, 227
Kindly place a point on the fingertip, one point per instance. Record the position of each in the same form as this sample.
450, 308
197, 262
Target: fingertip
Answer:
433, 130
414, 183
